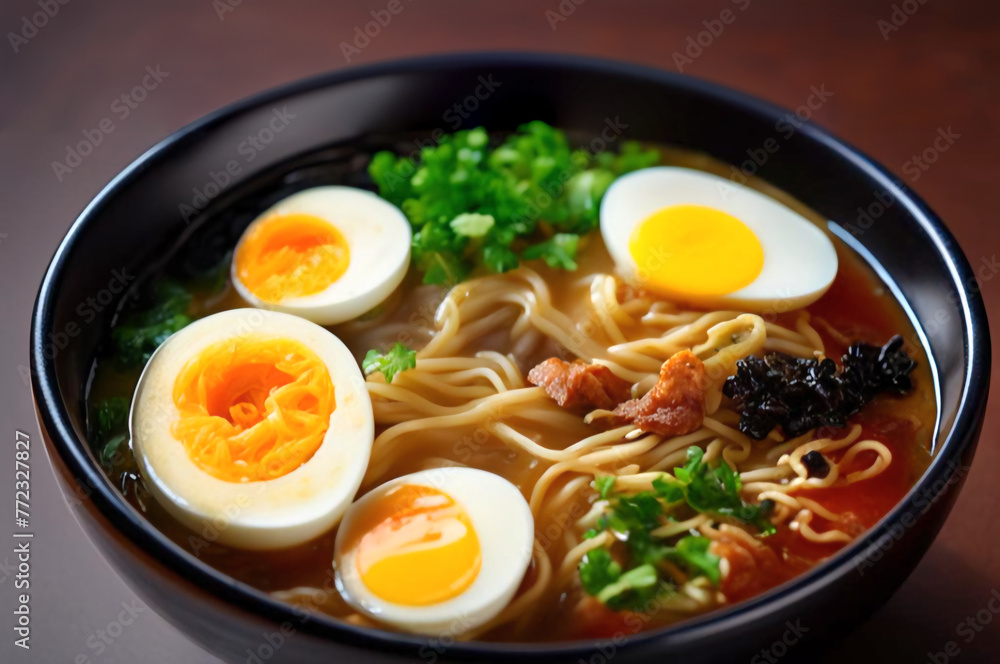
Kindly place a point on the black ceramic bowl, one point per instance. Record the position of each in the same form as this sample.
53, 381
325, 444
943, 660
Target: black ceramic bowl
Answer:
149, 205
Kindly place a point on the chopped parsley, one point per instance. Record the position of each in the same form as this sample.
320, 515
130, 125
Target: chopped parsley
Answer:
604, 484
559, 251
631, 586
638, 573
713, 491
602, 577
399, 358
474, 205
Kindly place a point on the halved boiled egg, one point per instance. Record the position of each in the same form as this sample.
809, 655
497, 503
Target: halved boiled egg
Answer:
440, 551
328, 254
700, 238
253, 428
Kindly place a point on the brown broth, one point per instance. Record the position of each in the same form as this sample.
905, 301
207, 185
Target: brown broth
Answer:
858, 305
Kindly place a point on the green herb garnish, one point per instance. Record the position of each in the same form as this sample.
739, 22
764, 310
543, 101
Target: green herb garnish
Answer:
714, 491
141, 333
632, 588
604, 484
472, 205
604, 578
598, 570
640, 574
558, 252
399, 358
691, 552
109, 429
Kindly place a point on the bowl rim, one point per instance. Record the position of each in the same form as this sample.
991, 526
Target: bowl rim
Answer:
73, 450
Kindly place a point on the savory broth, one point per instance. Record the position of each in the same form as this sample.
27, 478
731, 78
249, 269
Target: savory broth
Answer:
857, 307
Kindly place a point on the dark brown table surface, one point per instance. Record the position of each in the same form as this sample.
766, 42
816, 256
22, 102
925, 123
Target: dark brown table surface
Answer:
893, 91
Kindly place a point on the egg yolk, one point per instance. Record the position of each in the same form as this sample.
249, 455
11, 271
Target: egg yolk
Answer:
693, 250
252, 408
291, 255
418, 547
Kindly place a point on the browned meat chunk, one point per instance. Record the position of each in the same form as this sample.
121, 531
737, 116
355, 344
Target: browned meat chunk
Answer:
578, 386
676, 404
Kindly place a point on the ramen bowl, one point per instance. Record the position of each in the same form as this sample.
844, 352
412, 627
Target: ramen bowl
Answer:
207, 166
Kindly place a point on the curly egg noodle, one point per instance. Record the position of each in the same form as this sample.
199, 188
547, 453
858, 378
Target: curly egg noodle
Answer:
253, 410
480, 399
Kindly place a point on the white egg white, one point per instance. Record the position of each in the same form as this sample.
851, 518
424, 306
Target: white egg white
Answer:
800, 261
270, 514
378, 236
505, 527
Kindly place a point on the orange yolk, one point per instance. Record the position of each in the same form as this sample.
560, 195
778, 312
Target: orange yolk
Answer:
253, 408
291, 255
417, 547
693, 250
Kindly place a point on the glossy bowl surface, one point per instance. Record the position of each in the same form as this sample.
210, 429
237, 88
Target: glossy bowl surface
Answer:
208, 164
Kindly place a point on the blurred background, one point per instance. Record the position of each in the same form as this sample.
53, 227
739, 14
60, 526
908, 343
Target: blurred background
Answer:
898, 74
